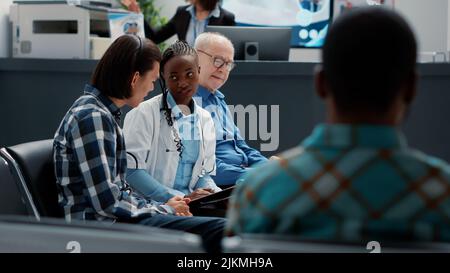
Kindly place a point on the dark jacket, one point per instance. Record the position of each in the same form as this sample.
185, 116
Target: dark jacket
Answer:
179, 25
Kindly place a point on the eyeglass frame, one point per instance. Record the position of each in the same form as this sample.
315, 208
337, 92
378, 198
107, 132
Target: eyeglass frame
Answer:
233, 64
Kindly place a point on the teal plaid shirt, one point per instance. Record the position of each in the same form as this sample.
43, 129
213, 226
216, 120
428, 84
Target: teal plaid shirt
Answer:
347, 183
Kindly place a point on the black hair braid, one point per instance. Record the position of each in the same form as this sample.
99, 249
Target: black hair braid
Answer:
179, 48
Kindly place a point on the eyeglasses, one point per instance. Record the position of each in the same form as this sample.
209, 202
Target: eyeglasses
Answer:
218, 61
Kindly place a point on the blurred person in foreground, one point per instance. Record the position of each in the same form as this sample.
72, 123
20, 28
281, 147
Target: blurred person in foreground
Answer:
354, 178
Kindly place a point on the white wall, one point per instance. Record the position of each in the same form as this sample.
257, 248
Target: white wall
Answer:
5, 36
169, 6
430, 20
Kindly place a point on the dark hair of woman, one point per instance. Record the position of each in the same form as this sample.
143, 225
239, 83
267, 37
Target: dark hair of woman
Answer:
179, 48
127, 55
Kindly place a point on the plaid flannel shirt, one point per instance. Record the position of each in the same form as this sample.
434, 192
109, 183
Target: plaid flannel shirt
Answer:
90, 164
347, 183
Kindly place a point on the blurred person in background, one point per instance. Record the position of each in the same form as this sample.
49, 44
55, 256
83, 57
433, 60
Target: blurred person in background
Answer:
188, 22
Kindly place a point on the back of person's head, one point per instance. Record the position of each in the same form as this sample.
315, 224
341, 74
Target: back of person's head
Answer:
369, 55
127, 55
207, 4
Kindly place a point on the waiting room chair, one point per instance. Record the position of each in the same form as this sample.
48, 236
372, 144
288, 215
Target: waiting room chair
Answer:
11, 200
53, 235
33, 169
32, 163
274, 243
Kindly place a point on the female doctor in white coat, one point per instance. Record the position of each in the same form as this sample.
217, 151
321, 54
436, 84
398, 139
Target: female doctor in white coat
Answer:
170, 140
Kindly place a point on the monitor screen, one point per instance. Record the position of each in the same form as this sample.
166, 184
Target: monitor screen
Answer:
266, 43
308, 19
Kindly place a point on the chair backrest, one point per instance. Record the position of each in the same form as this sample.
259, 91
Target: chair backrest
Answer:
274, 243
55, 235
34, 163
11, 200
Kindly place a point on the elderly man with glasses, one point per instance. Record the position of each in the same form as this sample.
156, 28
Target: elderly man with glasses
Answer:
233, 156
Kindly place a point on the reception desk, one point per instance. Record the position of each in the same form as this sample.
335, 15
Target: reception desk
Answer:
275, 102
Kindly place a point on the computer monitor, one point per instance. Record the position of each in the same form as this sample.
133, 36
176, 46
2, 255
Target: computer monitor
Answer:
257, 43
309, 20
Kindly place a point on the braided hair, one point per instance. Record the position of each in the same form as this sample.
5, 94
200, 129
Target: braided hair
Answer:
179, 48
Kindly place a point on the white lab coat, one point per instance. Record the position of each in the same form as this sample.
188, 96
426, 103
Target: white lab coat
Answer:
150, 139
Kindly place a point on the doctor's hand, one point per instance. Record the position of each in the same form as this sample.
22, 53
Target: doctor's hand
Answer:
179, 204
198, 193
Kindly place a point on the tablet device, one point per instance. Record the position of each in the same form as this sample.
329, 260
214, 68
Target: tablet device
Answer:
214, 198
